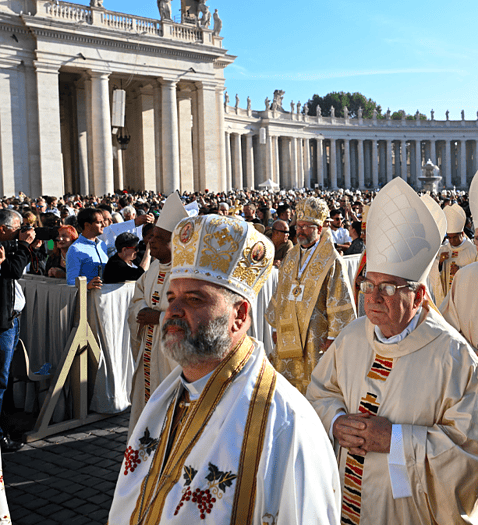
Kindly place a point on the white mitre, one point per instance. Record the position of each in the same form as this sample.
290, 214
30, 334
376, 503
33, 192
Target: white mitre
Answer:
173, 211
455, 218
473, 199
437, 212
403, 237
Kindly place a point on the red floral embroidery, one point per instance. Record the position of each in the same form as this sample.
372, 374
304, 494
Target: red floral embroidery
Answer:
204, 499
131, 460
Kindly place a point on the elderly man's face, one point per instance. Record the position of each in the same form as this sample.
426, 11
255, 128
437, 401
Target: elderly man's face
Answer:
198, 322
391, 314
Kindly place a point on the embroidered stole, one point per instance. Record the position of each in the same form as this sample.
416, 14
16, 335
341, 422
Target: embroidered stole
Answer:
148, 343
293, 316
354, 465
165, 472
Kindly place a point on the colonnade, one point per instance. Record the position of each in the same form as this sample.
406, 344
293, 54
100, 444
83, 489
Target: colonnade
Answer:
352, 162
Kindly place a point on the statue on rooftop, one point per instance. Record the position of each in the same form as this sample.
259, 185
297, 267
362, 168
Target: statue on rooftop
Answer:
417, 115
332, 111
292, 106
346, 112
267, 102
360, 112
447, 114
462, 114
164, 9
226, 98
217, 23
278, 97
432, 113
306, 109
388, 114
206, 18
237, 100
319, 111
374, 114
96, 3
249, 104
298, 107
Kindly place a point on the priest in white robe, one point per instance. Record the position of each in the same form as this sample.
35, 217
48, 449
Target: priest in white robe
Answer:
455, 253
147, 304
224, 439
398, 389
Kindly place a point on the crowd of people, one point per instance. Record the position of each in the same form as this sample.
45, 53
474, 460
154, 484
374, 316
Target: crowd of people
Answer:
228, 435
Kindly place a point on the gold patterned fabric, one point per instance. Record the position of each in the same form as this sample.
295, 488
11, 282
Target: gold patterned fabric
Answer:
323, 307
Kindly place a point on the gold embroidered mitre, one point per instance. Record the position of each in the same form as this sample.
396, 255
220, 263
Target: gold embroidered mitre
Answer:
224, 251
312, 210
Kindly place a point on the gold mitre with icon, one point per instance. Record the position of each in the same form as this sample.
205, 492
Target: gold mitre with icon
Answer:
312, 210
224, 251
403, 236
473, 199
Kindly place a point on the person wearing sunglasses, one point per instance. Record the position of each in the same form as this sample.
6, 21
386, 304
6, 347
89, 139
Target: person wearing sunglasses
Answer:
398, 389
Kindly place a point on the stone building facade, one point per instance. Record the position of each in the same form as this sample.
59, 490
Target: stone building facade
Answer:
60, 64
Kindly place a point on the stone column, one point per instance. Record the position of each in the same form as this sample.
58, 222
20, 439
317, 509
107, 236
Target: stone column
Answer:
222, 137
433, 154
389, 161
347, 178
447, 174
413, 166
81, 122
403, 160
333, 165
276, 162
103, 174
170, 136
249, 154
228, 162
10, 139
320, 162
49, 134
418, 158
361, 167
463, 182
185, 139
286, 163
236, 162
300, 163
210, 152
158, 130
293, 163
374, 147
307, 168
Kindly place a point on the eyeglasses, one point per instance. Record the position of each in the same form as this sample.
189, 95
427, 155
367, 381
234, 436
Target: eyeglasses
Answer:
281, 231
384, 289
338, 218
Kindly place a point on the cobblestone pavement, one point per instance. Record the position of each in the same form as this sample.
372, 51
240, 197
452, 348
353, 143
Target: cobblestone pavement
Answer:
67, 479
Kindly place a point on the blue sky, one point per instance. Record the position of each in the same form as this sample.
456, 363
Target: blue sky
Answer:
404, 55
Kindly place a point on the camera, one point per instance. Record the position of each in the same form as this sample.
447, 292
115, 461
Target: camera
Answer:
10, 247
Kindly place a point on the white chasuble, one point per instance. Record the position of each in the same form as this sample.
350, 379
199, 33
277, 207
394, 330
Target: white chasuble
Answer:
428, 384
196, 482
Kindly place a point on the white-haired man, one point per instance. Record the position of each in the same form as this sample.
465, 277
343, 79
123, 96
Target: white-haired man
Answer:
224, 439
398, 389
313, 300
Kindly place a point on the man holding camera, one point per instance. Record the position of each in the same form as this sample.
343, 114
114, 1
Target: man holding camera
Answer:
14, 256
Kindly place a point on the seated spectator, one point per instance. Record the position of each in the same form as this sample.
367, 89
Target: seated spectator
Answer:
120, 267
56, 263
357, 246
87, 256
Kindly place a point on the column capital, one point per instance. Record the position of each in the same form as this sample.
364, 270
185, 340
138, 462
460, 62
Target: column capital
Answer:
9, 63
46, 67
98, 74
167, 82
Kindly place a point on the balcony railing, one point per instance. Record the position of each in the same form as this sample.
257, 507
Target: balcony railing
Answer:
170, 29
